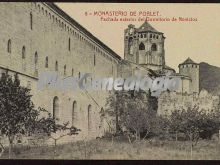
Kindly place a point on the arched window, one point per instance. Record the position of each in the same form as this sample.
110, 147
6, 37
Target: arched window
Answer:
154, 47
46, 62
56, 66
69, 44
9, 46
23, 52
72, 71
39, 7
94, 60
36, 64
35, 58
64, 70
141, 46
89, 117
55, 107
31, 21
79, 75
74, 113
150, 35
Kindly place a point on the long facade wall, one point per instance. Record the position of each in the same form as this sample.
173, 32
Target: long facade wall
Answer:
34, 34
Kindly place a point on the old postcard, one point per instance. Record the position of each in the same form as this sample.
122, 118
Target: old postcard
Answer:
109, 81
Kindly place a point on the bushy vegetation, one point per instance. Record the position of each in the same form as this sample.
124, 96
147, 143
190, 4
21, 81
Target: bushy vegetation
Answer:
134, 113
136, 118
138, 128
18, 116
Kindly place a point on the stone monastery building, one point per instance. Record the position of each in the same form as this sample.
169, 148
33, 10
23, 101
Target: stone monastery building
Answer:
39, 37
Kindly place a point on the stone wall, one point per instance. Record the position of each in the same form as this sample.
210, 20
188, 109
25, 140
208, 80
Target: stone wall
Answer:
36, 36
170, 101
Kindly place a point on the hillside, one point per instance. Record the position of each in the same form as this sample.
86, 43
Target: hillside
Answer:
209, 78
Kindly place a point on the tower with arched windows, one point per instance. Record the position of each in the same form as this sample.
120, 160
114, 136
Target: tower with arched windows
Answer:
56, 107
144, 46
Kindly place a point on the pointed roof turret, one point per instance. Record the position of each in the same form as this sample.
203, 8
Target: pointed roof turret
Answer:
188, 61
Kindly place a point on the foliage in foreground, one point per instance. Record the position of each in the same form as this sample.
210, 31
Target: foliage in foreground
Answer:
135, 115
18, 115
133, 112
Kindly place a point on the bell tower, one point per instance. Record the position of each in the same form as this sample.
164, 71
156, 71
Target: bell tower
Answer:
144, 46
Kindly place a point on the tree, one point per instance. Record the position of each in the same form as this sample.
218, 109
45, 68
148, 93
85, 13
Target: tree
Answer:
175, 122
133, 112
139, 117
210, 125
194, 123
18, 115
191, 124
53, 129
161, 127
16, 108
115, 105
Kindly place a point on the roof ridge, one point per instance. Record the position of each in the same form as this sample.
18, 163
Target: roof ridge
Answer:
82, 29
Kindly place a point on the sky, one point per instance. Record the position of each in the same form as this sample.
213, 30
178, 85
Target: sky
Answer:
199, 40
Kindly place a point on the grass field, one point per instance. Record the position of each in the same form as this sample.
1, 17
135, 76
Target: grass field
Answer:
105, 149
